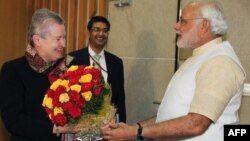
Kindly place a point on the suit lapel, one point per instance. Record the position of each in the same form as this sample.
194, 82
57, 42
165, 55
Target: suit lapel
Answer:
109, 66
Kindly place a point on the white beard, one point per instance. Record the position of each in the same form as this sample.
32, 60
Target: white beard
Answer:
189, 39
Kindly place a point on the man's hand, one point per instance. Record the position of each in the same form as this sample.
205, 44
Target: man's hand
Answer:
119, 131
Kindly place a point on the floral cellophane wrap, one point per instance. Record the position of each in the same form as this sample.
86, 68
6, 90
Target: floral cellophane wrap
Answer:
81, 100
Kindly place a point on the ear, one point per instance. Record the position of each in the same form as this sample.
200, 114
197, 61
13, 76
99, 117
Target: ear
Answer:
36, 40
206, 26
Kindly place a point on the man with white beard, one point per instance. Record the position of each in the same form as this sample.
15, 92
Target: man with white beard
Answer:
205, 92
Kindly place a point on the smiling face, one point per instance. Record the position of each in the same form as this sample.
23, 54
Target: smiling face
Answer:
188, 27
51, 46
98, 35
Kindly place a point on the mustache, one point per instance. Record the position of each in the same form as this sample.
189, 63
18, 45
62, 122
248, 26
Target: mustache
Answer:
178, 32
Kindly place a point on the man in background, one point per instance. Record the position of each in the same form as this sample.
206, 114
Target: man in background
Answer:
110, 65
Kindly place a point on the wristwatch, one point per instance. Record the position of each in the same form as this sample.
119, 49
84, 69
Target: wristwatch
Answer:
139, 133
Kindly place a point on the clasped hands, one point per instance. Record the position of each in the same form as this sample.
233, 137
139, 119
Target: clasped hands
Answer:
119, 131
111, 131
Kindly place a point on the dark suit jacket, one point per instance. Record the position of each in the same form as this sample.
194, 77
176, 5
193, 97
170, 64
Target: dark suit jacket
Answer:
115, 77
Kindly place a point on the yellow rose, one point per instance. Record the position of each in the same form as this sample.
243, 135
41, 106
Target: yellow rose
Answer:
58, 110
47, 102
63, 98
73, 68
65, 83
56, 84
76, 88
87, 95
86, 78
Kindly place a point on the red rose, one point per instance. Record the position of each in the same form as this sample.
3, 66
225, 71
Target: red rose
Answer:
74, 96
67, 106
96, 74
80, 103
97, 91
51, 93
56, 102
74, 112
60, 89
96, 81
60, 119
74, 80
86, 87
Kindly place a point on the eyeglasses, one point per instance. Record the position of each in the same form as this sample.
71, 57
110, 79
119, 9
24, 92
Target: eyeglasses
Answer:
183, 21
97, 29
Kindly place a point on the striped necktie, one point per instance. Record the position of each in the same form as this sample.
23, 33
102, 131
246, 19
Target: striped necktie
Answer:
96, 62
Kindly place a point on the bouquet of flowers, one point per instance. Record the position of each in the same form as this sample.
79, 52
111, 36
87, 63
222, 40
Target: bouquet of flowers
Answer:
80, 98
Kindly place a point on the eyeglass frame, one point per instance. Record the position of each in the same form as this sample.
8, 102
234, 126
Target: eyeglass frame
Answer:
183, 21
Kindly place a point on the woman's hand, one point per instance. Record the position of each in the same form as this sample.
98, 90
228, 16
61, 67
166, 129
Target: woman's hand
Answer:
69, 128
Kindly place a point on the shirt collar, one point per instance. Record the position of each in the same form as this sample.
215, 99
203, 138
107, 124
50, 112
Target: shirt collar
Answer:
208, 45
92, 53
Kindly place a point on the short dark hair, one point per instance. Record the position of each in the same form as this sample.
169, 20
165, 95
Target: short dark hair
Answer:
95, 19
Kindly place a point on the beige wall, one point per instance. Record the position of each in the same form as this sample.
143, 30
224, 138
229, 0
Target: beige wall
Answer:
143, 36
237, 13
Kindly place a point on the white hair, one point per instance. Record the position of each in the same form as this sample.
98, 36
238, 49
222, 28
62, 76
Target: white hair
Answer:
213, 12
